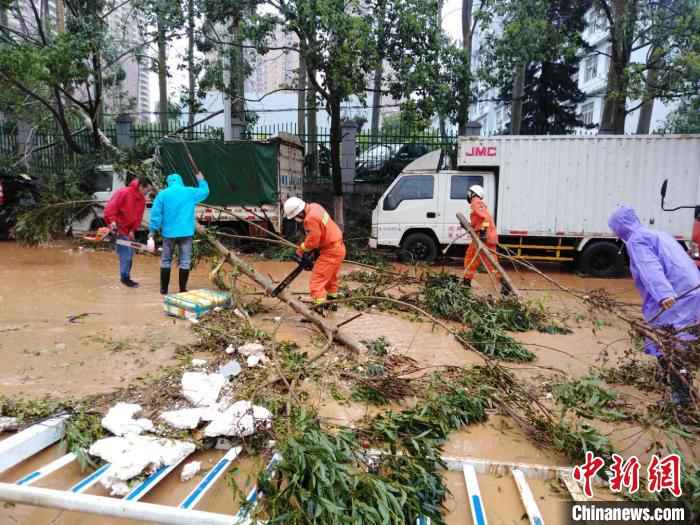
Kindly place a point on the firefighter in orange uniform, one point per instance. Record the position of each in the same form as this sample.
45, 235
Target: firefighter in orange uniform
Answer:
324, 235
483, 224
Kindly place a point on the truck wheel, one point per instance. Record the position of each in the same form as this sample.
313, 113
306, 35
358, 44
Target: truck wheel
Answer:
418, 247
602, 259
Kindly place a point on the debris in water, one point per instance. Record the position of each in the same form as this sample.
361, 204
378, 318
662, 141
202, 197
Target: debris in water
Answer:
8, 423
230, 349
120, 420
230, 369
202, 389
131, 455
242, 419
199, 362
190, 470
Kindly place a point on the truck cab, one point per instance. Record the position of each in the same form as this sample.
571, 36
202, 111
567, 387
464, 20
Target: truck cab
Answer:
417, 213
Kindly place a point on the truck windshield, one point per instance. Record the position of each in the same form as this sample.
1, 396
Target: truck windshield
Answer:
414, 187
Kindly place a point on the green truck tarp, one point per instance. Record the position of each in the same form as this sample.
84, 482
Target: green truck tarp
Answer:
238, 173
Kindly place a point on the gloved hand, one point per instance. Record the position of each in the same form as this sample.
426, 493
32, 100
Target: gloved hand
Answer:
113, 227
482, 235
151, 244
132, 236
305, 260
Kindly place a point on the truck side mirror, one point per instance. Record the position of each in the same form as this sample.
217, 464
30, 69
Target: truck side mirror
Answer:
664, 187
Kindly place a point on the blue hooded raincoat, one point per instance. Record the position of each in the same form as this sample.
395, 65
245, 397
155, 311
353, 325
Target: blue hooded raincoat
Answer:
173, 209
660, 269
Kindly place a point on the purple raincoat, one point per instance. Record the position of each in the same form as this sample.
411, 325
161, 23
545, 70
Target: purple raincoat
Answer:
660, 269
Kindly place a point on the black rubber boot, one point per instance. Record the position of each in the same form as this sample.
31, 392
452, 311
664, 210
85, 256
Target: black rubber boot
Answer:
505, 290
184, 275
467, 283
164, 280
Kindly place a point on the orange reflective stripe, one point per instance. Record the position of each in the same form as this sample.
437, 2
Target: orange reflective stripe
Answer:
325, 218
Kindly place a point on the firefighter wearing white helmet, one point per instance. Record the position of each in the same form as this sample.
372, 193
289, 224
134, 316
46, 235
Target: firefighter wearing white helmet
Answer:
483, 224
323, 236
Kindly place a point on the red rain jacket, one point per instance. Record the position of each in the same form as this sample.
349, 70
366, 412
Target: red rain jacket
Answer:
126, 208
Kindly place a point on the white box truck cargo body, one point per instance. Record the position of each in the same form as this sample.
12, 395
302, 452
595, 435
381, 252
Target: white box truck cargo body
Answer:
551, 196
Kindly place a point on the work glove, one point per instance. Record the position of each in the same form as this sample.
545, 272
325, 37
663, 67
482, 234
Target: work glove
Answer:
151, 245
113, 227
305, 260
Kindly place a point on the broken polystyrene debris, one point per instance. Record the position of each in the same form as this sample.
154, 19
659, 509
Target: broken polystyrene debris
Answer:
230, 369
202, 389
8, 423
190, 470
241, 419
251, 349
253, 361
189, 418
129, 456
230, 349
120, 420
223, 444
199, 362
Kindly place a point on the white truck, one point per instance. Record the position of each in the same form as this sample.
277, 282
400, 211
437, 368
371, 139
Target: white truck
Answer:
550, 196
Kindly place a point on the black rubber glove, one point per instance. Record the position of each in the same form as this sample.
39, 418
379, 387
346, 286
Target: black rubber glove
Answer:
306, 261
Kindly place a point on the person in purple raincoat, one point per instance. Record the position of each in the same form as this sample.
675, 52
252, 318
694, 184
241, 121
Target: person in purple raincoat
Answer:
668, 282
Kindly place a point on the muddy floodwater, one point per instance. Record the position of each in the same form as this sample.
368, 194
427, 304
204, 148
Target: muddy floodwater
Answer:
68, 328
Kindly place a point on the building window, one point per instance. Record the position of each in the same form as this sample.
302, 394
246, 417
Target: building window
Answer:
590, 68
587, 113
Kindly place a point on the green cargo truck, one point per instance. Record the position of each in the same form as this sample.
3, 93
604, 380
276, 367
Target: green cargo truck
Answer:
247, 179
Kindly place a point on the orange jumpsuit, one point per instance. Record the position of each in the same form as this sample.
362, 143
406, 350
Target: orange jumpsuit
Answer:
481, 219
323, 233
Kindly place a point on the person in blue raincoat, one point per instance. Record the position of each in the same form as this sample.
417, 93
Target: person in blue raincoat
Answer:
173, 214
669, 284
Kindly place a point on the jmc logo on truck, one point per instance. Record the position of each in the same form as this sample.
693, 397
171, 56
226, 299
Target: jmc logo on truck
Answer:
481, 151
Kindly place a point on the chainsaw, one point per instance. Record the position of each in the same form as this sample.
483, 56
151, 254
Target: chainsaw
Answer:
104, 234
304, 262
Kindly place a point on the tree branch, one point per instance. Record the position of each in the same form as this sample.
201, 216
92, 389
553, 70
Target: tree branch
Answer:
40, 27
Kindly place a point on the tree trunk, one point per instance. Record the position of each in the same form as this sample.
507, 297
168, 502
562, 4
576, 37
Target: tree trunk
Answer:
301, 97
60, 16
97, 116
162, 79
312, 124
285, 295
334, 106
516, 112
465, 90
377, 98
622, 33
647, 108
191, 96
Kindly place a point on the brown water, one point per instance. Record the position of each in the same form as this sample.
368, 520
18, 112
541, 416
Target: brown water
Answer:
126, 336
45, 354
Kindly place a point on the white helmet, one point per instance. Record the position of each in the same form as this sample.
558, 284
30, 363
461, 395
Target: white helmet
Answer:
293, 206
476, 190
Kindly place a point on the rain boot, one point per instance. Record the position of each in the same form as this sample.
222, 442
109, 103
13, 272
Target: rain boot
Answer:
466, 283
164, 280
184, 275
505, 289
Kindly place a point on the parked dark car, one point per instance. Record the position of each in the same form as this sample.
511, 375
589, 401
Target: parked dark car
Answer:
17, 192
382, 163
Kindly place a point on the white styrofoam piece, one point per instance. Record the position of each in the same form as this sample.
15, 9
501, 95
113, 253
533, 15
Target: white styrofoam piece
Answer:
241, 419
120, 420
202, 389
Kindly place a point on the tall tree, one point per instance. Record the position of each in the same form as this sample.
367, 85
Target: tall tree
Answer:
64, 72
338, 42
536, 38
665, 29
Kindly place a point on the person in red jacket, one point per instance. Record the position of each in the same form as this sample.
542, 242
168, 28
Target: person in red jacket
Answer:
123, 214
484, 225
324, 235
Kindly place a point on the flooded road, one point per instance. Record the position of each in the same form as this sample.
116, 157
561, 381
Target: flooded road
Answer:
126, 336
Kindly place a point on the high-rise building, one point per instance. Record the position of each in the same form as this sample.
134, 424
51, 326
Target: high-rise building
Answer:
276, 69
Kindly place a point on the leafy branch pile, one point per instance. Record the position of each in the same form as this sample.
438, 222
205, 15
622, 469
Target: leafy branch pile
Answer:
328, 478
376, 381
588, 397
